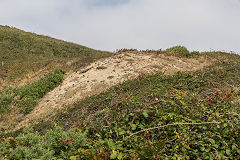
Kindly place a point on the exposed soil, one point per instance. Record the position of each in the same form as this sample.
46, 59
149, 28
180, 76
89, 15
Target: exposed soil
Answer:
99, 76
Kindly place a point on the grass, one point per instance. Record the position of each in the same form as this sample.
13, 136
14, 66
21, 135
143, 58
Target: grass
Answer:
126, 121
26, 97
24, 55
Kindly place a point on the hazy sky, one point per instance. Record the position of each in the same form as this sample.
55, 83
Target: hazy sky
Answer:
142, 24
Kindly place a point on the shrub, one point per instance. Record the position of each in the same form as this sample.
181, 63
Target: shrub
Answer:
39, 88
178, 50
27, 104
31, 93
28, 145
27, 96
6, 98
181, 51
5, 101
197, 53
63, 143
55, 144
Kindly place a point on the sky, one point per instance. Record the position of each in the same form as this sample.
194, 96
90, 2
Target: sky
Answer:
142, 24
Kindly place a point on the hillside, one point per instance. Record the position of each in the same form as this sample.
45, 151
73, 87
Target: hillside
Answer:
27, 56
171, 104
103, 74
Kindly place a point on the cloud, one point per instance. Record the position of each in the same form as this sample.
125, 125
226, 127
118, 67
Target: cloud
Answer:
143, 24
106, 2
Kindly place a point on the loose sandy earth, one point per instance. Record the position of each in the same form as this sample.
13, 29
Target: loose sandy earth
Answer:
101, 75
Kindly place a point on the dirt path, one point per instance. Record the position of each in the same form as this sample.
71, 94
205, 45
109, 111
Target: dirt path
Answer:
103, 74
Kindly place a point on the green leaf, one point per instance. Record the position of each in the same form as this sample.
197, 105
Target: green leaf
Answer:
111, 144
145, 113
212, 141
202, 149
234, 147
122, 132
216, 145
120, 156
228, 152
114, 155
73, 158
134, 127
238, 151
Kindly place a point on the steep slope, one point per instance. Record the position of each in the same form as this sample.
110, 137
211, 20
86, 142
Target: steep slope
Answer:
183, 115
26, 56
101, 75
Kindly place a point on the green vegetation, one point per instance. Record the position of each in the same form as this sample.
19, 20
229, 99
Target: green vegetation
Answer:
31, 145
196, 53
189, 115
24, 54
183, 116
181, 51
26, 97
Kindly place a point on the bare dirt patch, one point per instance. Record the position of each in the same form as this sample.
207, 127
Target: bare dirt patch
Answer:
99, 76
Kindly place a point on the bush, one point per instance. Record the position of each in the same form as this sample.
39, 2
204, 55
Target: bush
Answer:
181, 51
63, 143
27, 104
27, 96
197, 53
39, 88
27, 145
6, 98
178, 50
5, 101
55, 144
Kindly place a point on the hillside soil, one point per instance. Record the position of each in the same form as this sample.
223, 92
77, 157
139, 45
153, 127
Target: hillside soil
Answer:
101, 75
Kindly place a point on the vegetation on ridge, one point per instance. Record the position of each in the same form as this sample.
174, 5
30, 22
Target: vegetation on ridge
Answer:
140, 119
181, 51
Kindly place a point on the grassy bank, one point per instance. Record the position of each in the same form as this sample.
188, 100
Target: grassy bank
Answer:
183, 116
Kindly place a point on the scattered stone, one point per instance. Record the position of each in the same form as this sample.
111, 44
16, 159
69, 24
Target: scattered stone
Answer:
85, 70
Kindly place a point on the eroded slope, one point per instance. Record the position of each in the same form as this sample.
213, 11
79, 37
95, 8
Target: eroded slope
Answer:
99, 76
